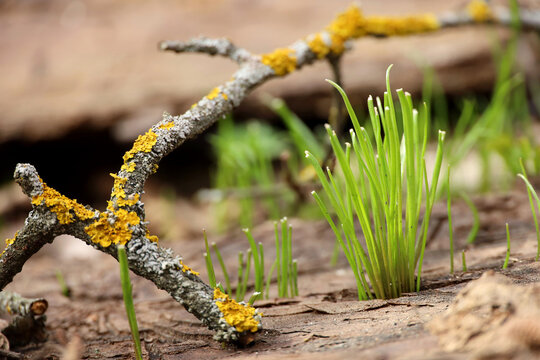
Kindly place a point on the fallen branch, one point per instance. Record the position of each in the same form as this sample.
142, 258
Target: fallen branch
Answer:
27, 320
123, 222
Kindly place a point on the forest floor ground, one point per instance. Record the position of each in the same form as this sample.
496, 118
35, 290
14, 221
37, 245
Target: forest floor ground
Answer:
325, 321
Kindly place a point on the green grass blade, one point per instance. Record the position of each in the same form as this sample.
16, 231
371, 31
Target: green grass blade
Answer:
223, 269
450, 229
476, 218
128, 300
507, 258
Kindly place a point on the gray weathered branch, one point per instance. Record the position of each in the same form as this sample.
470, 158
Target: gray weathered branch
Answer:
222, 47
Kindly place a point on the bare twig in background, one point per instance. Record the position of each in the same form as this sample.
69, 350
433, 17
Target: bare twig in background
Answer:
123, 222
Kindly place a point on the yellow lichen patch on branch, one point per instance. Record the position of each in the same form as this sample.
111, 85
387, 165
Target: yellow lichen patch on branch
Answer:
186, 268
281, 61
167, 126
152, 238
214, 93
318, 46
388, 26
128, 167
347, 25
118, 191
105, 232
480, 11
122, 202
9, 242
61, 205
235, 314
144, 143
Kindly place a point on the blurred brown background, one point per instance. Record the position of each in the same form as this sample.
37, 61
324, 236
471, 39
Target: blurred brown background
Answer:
81, 79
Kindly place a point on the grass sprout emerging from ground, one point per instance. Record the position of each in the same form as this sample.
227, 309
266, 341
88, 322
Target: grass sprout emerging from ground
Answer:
375, 183
128, 300
284, 264
532, 193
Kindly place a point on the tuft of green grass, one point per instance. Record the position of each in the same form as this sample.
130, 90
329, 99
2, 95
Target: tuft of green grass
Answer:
286, 266
128, 300
379, 181
244, 164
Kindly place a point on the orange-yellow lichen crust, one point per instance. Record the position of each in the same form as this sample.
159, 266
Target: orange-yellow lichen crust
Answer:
388, 26
65, 208
105, 233
144, 143
214, 93
9, 242
347, 25
186, 268
128, 167
479, 11
281, 61
152, 238
120, 194
235, 314
352, 24
318, 46
167, 125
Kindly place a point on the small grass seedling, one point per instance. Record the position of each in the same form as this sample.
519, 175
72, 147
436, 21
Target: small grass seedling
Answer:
532, 193
450, 228
390, 174
507, 258
64, 288
476, 217
128, 300
463, 261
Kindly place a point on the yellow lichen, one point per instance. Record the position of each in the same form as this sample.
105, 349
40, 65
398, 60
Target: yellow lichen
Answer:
479, 11
193, 105
281, 61
9, 242
186, 268
235, 314
105, 232
61, 205
167, 126
348, 24
122, 202
352, 24
318, 46
214, 93
129, 167
152, 238
388, 26
144, 143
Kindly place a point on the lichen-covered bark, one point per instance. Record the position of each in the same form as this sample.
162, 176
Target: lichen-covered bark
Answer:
123, 222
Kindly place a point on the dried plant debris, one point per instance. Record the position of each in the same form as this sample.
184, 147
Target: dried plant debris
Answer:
492, 318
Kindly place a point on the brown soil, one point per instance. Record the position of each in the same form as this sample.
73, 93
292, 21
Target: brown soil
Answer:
326, 321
